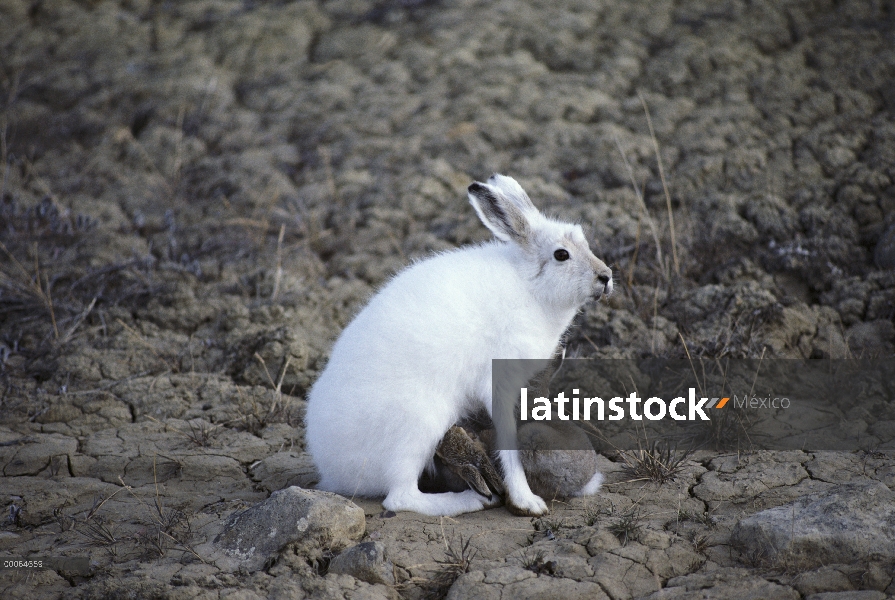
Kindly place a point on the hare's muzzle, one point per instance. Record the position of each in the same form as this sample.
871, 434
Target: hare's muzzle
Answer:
604, 282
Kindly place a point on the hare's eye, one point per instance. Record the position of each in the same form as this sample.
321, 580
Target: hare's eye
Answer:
561, 255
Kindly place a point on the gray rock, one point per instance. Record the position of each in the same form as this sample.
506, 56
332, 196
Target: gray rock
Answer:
850, 595
290, 516
516, 582
825, 579
855, 521
284, 469
723, 583
367, 561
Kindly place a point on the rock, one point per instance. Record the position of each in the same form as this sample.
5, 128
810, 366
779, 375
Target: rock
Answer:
367, 561
284, 469
825, 579
519, 583
291, 516
723, 583
855, 521
851, 595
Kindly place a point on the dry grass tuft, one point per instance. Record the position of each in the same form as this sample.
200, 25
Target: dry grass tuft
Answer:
627, 527
654, 462
458, 560
593, 514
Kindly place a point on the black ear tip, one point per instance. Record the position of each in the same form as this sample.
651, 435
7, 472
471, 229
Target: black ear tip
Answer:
477, 188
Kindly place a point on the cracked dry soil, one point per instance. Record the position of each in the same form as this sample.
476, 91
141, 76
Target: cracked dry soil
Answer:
196, 197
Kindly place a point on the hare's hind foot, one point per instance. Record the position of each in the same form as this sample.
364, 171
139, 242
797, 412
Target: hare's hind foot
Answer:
446, 504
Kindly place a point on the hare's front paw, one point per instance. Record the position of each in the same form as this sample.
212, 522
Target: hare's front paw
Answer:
526, 505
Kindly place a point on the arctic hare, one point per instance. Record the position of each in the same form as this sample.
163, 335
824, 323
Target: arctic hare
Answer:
418, 356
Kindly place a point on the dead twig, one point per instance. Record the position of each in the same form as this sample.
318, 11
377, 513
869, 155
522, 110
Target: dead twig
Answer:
649, 123
77, 322
278, 274
649, 218
33, 285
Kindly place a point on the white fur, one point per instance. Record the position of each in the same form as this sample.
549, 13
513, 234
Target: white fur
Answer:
593, 486
418, 356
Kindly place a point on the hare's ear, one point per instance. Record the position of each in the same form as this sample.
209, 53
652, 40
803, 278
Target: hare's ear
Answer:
512, 190
499, 213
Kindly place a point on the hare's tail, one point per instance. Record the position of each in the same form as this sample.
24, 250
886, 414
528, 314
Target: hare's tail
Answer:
593, 486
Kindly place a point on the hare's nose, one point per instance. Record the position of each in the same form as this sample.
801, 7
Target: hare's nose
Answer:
605, 277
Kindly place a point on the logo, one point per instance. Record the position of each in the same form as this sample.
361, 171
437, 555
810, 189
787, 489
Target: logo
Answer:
690, 408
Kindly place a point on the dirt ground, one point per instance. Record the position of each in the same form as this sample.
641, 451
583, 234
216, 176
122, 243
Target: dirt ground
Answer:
196, 197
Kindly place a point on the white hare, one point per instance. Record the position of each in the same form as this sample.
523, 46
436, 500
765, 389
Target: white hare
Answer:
418, 357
